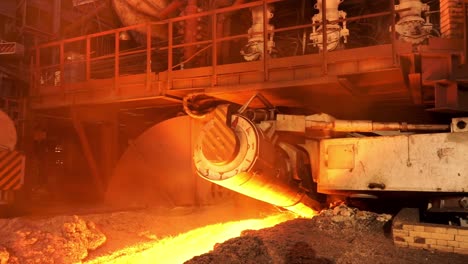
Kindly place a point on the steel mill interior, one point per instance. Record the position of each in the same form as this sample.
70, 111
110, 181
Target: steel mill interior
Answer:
229, 109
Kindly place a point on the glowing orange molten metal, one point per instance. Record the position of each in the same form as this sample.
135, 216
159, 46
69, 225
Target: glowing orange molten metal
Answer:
185, 246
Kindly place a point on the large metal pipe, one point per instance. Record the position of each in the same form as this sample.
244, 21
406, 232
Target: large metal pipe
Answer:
370, 126
151, 8
133, 12
324, 122
253, 167
171, 8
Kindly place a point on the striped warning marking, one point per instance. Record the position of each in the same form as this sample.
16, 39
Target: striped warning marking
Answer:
11, 170
7, 48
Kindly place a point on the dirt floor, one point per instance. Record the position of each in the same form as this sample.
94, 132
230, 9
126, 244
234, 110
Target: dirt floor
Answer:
195, 235
343, 235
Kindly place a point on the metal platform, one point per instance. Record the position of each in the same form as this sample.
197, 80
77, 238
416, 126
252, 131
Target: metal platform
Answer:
81, 72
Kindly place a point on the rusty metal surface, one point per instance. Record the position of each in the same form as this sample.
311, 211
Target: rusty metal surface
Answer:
365, 73
156, 169
421, 162
276, 70
369, 74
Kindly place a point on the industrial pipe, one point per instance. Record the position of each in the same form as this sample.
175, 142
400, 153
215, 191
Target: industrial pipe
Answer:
246, 162
411, 27
370, 126
255, 48
151, 8
334, 31
129, 15
169, 9
324, 122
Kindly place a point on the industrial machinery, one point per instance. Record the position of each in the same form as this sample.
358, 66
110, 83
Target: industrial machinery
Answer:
411, 26
254, 49
388, 61
335, 32
11, 161
289, 160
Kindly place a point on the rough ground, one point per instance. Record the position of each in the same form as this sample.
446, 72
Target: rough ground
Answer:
339, 235
62, 239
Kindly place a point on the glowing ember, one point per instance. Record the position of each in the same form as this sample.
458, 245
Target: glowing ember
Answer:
185, 246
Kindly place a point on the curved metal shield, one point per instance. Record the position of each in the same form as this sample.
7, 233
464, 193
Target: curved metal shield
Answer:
157, 168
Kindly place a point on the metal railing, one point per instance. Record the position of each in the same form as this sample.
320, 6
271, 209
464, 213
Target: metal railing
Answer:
51, 64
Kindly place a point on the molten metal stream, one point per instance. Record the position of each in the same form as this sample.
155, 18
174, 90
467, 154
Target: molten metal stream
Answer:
185, 246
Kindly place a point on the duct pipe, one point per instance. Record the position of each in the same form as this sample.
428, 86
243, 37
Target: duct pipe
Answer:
151, 8
172, 7
129, 15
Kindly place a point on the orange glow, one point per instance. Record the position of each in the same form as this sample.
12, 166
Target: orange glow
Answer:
185, 246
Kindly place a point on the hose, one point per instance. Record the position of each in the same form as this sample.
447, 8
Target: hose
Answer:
208, 105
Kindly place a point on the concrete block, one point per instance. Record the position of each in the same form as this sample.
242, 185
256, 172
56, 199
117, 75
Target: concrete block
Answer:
463, 245
419, 228
431, 241
461, 238
416, 245
454, 244
408, 227
442, 242
461, 250
442, 248
443, 236
463, 232
452, 231
434, 229
423, 234
401, 243
403, 233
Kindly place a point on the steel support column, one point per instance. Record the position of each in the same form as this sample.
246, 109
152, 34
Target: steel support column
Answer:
190, 29
108, 144
87, 151
324, 38
394, 58
465, 32
265, 40
57, 13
